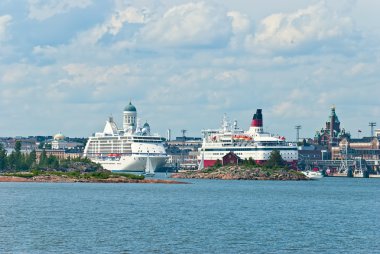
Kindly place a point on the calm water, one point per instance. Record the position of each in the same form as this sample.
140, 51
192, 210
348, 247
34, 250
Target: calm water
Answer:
333, 215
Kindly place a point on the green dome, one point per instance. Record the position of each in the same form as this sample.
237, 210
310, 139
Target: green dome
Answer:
130, 107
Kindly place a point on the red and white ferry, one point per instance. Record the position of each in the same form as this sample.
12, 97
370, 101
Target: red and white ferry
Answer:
254, 143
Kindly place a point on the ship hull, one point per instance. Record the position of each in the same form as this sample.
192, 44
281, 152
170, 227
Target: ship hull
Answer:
131, 163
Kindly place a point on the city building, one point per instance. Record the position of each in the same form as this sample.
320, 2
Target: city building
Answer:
183, 152
332, 133
367, 148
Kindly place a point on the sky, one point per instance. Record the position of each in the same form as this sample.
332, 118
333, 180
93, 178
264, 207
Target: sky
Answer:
67, 65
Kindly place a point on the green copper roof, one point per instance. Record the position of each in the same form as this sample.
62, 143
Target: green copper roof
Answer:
333, 114
130, 107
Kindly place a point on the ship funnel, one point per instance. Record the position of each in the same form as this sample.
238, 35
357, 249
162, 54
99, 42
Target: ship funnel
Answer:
257, 120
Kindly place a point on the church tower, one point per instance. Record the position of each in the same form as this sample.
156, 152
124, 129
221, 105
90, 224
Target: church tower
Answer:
129, 118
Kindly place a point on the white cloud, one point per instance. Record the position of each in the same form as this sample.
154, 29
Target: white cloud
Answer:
360, 69
114, 25
84, 74
312, 26
129, 51
14, 74
240, 22
235, 76
192, 24
4, 22
292, 104
241, 26
44, 9
131, 15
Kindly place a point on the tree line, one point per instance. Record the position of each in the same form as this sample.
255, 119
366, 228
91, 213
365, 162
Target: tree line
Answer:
18, 161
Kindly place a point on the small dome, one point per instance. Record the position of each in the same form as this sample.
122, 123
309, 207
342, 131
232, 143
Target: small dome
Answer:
146, 124
59, 136
130, 107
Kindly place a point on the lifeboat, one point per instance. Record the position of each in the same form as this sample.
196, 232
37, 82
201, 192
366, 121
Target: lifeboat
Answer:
242, 137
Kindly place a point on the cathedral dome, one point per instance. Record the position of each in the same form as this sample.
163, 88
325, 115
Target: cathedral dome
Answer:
59, 136
130, 107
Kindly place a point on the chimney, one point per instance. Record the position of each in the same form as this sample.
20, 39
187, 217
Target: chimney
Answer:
257, 120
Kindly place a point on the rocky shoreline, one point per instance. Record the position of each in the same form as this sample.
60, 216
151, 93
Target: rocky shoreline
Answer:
242, 173
63, 179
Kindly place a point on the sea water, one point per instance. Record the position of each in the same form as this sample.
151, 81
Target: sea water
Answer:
332, 215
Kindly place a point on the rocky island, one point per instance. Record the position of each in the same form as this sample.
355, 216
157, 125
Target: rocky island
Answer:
243, 172
275, 168
74, 177
54, 178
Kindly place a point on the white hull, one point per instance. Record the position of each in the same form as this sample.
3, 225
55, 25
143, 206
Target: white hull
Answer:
131, 163
313, 175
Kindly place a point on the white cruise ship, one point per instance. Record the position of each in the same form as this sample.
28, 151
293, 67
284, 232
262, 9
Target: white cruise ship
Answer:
254, 143
126, 149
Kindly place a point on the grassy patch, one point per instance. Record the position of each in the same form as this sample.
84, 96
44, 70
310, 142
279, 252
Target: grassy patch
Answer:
76, 174
25, 175
129, 176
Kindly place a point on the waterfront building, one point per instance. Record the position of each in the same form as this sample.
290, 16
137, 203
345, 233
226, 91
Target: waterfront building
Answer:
183, 152
58, 142
230, 159
332, 133
61, 154
367, 148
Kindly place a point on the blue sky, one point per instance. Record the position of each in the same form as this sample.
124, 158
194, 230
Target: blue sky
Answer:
66, 65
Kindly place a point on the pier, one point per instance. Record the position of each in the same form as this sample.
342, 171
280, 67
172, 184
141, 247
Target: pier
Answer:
356, 167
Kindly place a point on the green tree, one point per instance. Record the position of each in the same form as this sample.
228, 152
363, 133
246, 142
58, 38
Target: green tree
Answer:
218, 163
41, 145
22, 164
251, 161
31, 159
3, 158
18, 158
275, 160
43, 159
52, 162
18, 146
11, 161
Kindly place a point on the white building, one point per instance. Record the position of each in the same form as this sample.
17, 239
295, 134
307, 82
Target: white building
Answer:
58, 142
